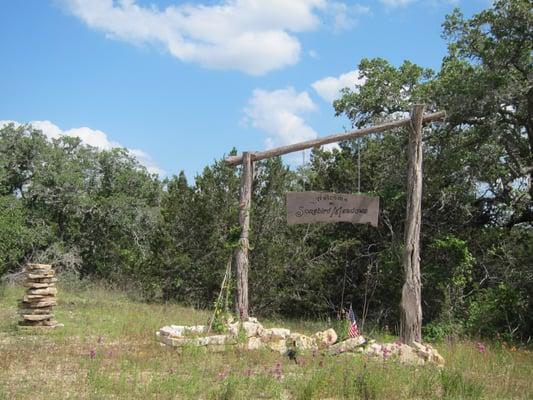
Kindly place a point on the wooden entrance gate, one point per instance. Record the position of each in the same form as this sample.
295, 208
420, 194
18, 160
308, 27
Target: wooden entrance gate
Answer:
411, 302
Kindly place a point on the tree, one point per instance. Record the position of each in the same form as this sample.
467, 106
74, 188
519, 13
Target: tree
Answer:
22, 150
16, 237
486, 85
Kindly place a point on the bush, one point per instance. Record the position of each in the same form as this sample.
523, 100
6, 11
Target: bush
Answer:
438, 331
16, 238
497, 312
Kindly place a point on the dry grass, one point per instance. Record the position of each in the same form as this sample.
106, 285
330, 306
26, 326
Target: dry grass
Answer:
107, 350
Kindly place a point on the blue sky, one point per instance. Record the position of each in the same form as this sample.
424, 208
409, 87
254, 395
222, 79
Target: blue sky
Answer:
181, 83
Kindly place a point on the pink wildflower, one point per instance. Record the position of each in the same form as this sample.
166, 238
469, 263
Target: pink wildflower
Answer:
222, 375
481, 347
278, 371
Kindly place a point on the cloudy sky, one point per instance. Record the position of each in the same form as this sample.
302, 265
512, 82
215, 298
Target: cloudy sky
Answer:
180, 83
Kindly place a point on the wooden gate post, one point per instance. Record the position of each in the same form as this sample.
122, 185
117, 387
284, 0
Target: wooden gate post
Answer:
241, 253
411, 303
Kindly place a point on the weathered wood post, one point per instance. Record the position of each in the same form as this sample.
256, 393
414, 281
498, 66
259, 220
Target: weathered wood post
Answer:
241, 253
411, 303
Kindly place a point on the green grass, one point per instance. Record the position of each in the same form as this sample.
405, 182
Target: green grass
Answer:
107, 350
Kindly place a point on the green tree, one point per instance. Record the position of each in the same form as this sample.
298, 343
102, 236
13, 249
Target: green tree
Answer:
16, 237
486, 86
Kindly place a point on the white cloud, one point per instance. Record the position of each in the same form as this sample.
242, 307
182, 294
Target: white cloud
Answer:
345, 16
147, 160
278, 113
329, 88
91, 137
253, 36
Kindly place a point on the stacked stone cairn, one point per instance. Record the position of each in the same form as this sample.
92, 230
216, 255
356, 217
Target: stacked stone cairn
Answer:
251, 335
40, 297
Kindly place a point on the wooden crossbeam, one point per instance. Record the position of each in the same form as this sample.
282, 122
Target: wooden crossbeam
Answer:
261, 155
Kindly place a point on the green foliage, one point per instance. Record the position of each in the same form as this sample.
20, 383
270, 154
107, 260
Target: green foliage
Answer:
16, 237
222, 308
341, 327
485, 85
447, 275
438, 330
386, 90
497, 312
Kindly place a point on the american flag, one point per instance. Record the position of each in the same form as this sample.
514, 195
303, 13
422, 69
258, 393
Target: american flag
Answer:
353, 331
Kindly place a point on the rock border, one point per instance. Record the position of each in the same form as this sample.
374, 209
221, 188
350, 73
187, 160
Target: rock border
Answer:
251, 335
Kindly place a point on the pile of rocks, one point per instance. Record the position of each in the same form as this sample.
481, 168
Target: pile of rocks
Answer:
251, 335
417, 354
36, 306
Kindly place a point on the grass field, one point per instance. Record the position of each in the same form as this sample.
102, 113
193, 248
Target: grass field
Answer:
107, 350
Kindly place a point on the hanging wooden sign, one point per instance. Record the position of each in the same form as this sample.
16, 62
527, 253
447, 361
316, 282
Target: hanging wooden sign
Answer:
310, 207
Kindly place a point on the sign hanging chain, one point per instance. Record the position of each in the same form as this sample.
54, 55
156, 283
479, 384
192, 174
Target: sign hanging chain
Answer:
302, 170
359, 165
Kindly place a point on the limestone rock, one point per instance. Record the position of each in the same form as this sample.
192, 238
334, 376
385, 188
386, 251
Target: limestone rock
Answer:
47, 291
33, 266
35, 298
37, 285
196, 329
52, 323
428, 353
417, 355
408, 355
43, 310
437, 358
211, 340
43, 275
279, 346
42, 280
172, 331
254, 343
32, 317
252, 328
233, 328
348, 345
182, 330
276, 333
39, 304
326, 338
173, 341
303, 342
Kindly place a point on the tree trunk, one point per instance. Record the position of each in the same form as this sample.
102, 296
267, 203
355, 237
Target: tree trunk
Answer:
241, 253
411, 303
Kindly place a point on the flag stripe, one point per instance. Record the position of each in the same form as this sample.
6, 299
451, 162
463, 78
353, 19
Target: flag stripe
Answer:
353, 331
